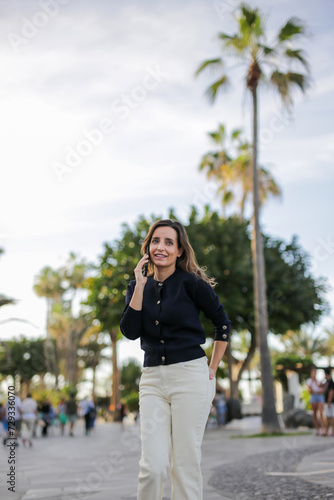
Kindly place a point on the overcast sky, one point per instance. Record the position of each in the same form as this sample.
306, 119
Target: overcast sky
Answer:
102, 120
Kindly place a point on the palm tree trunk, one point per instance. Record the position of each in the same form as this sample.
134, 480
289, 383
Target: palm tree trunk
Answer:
269, 416
249, 357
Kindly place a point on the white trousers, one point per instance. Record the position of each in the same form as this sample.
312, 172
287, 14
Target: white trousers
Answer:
175, 401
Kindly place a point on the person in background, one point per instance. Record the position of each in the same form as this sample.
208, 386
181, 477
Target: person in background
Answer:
92, 415
3, 428
85, 406
177, 387
72, 412
329, 401
122, 412
46, 417
29, 415
62, 415
316, 389
221, 407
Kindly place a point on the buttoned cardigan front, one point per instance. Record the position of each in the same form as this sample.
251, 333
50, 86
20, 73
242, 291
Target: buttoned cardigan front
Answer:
169, 322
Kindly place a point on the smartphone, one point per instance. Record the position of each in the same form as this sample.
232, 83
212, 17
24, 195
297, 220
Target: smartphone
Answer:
145, 267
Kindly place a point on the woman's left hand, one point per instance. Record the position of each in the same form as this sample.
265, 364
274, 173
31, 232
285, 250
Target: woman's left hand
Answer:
212, 373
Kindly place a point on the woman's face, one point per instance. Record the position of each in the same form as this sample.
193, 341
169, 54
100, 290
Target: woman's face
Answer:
164, 248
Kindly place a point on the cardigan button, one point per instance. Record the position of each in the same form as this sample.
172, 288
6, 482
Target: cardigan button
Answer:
158, 302
162, 341
224, 327
156, 322
163, 358
224, 336
159, 284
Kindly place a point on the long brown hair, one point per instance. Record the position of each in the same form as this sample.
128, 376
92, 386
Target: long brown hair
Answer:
187, 261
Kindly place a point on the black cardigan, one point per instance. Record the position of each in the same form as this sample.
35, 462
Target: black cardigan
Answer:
168, 324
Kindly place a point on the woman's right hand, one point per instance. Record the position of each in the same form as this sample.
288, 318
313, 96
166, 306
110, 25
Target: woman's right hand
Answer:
140, 278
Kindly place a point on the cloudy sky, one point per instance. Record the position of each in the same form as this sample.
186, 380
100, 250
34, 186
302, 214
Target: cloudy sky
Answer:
102, 120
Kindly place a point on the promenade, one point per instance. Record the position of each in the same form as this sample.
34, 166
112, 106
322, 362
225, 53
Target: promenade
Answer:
104, 466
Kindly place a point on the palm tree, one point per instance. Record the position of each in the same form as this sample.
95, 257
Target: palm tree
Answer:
68, 331
48, 284
60, 287
90, 351
305, 342
233, 171
249, 45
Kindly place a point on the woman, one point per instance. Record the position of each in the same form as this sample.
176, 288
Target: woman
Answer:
177, 386
317, 401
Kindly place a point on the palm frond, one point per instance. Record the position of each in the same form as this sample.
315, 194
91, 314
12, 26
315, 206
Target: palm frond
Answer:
297, 54
267, 50
217, 86
291, 29
298, 79
213, 64
218, 136
285, 81
236, 133
235, 42
250, 21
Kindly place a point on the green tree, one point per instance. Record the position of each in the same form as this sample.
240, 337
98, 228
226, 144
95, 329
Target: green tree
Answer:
250, 46
23, 358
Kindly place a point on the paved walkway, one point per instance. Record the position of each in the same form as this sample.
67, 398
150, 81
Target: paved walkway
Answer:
104, 466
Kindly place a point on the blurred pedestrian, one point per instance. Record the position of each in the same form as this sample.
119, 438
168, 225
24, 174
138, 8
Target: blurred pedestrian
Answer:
329, 401
3, 429
72, 412
62, 415
86, 406
92, 415
162, 308
29, 416
316, 389
122, 412
46, 413
220, 404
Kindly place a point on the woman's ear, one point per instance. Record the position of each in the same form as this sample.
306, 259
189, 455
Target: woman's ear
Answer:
180, 252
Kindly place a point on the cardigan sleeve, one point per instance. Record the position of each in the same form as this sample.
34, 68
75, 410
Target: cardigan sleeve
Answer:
131, 319
208, 301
